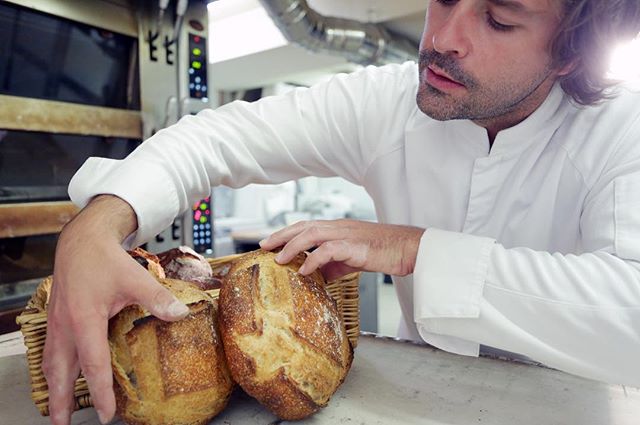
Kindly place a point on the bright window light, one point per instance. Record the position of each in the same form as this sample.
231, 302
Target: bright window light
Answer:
625, 61
240, 31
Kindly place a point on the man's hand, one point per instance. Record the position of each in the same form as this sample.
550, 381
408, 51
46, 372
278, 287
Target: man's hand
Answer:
345, 246
93, 279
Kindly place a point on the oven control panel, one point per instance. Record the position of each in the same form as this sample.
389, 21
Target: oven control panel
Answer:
202, 227
198, 67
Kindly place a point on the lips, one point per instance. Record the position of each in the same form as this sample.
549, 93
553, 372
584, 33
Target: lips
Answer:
441, 81
443, 75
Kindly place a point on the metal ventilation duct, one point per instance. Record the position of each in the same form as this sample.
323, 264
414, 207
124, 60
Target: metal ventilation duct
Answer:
359, 42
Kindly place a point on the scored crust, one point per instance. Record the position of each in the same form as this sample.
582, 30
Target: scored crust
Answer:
170, 372
284, 339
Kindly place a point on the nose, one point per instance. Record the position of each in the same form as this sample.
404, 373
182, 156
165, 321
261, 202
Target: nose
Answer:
451, 37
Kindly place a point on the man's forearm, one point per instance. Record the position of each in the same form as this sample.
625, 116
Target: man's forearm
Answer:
107, 215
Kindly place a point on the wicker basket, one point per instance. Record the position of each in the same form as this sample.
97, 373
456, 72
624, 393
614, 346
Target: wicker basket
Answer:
33, 324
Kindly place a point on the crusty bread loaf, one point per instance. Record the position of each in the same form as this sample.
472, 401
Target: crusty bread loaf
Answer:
149, 261
184, 263
285, 342
170, 373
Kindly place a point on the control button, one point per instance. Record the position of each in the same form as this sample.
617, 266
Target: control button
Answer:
198, 79
191, 71
196, 25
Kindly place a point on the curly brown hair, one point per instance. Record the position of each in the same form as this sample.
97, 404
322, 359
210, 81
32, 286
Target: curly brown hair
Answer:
588, 31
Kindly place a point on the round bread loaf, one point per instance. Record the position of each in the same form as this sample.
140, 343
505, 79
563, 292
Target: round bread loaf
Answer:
184, 263
170, 373
285, 342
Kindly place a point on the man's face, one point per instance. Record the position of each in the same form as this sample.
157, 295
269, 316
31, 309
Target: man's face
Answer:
486, 59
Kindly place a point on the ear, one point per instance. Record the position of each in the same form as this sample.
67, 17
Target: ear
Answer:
567, 69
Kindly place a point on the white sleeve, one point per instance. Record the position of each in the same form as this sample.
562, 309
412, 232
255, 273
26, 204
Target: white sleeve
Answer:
330, 129
577, 313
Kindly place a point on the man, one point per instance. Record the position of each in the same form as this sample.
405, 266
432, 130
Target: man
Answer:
508, 211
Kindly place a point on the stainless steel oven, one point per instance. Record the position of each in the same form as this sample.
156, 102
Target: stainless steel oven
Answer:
81, 79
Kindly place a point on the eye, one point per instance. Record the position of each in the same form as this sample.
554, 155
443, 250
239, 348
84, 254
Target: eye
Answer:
497, 25
446, 2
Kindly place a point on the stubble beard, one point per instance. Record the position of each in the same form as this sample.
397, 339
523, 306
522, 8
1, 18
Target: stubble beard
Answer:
482, 103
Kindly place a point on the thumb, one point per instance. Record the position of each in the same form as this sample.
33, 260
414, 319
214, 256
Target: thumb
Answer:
157, 299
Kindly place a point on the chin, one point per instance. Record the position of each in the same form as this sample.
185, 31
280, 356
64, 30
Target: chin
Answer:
434, 106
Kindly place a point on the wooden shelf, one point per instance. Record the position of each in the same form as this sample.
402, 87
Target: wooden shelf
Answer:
35, 218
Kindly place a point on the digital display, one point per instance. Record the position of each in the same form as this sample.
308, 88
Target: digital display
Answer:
202, 226
197, 68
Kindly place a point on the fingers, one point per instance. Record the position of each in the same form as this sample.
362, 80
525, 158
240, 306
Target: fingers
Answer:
95, 362
334, 241
306, 235
160, 302
303, 241
333, 251
283, 236
61, 368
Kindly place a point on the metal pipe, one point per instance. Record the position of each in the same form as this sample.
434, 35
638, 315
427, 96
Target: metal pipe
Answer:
359, 42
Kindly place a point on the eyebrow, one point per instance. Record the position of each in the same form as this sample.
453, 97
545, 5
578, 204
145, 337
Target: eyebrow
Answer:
513, 5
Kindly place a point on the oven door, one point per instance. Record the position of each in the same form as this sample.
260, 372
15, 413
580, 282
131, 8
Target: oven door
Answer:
69, 89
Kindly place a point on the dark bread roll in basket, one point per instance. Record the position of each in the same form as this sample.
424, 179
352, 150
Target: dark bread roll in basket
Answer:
184, 263
285, 341
170, 373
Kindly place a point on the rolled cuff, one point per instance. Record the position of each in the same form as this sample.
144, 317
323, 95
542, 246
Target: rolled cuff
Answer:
449, 343
155, 205
448, 281
449, 275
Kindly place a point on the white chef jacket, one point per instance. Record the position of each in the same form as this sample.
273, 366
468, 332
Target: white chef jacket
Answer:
532, 246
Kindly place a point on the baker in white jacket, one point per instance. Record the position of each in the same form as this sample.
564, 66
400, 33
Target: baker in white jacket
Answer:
505, 171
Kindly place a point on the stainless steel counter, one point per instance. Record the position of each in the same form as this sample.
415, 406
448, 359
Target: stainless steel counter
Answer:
394, 382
